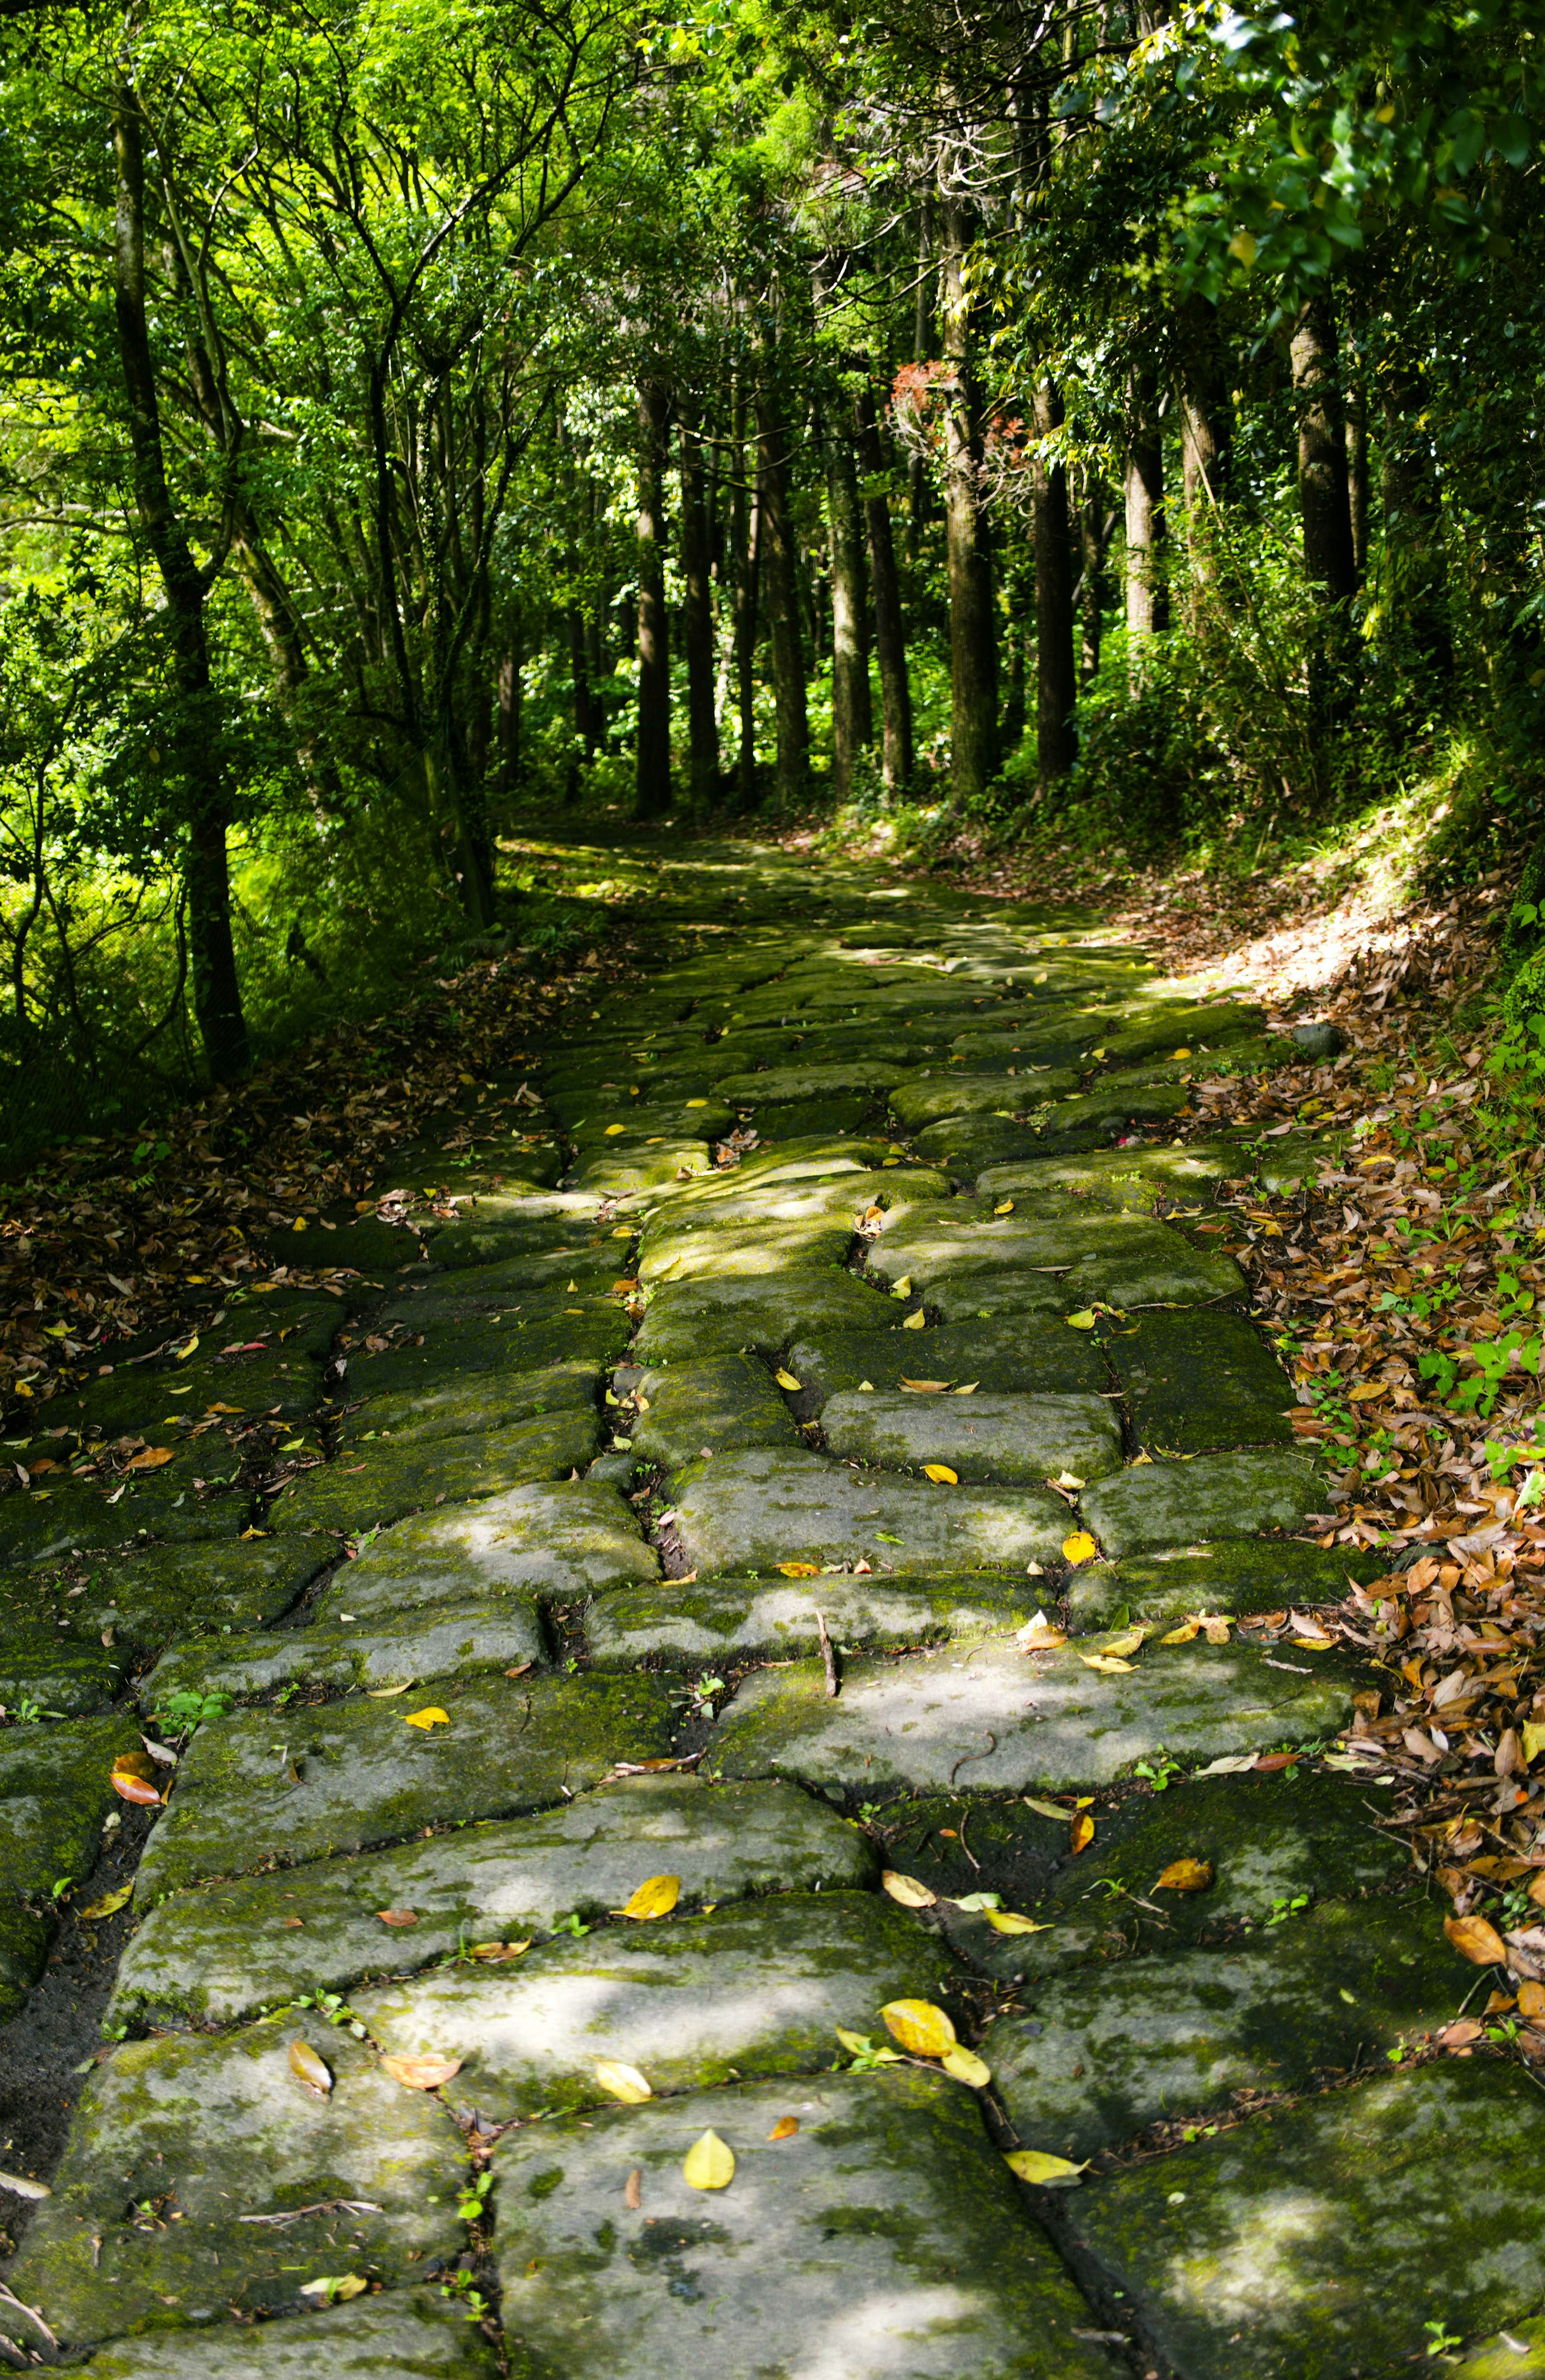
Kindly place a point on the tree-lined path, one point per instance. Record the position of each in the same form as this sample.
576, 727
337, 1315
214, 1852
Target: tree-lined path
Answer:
769, 1799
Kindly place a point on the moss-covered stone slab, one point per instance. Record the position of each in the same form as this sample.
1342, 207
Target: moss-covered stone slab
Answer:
226, 1951
592, 1128
1165, 1026
747, 1251
688, 1321
473, 1403
1212, 1496
967, 1146
757, 1989
882, 2237
45, 1524
1196, 1382
174, 2141
454, 1335
991, 1719
272, 1789
566, 1537
1516, 2353
932, 1096
983, 1436
717, 1407
1172, 2037
753, 1510
1326, 2241
817, 1157
1003, 1355
53, 1797
1140, 1178
24, 1937
760, 1190
621, 1169
148, 1597
403, 2335
983, 1295
44, 1669
741, 1619
387, 1480
444, 1640
1244, 1576
777, 1086
1097, 1258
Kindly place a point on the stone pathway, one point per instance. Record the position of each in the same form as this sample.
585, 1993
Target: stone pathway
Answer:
815, 1529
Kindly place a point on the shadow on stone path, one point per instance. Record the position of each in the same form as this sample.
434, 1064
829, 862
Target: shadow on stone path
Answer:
821, 1468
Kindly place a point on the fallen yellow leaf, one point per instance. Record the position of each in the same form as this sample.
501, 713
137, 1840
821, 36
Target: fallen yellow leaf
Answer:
786, 1380
613, 1129
710, 2164
1080, 1548
1531, 1735
902, 1288
915, 1322
1104, 1662
1082, 1833
656, 1896
1008, 1921
432, 1715
785, 2128
966, 2067
425, 2072
149, 1458
1033, 2165
965, 1388
308, 2070
923, 1387
1006, 1208
1082, 1321
1182, 1634
1478, 1939
623, 2083
1366, 1390
110, 1903
697, 1104
1131, 1640
919, 2027
906, 1889
799, 1570
1184, 1876
940, 1474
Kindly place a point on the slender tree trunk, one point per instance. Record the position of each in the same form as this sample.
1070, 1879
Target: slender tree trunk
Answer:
1056, 672
1146, 606
890, 627
579, 679
1415, 563
1094, 586
653, 778
1205, 413
973, 628
852, 711
779, 585
216, 987
698, 625
508, 691
1357, 472
1329, 557
922, 341
745, 522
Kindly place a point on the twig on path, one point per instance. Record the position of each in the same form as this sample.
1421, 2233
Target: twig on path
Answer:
322, 2206
834, 1684
8, 2298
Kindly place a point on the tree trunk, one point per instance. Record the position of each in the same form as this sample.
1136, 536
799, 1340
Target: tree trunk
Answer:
1357, 472
1147, 603
1056, 674
580, 680
1415, 561
852, 710
890, 629
778, 572
1322, 492
746, 528
1094, 585
653, 755
973, 628
698, 625
194, 729
509, 689
1205, 413
922, 341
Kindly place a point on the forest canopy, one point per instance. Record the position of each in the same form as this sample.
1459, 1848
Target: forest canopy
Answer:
1085, 423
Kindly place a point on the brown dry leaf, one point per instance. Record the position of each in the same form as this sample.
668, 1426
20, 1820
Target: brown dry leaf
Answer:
710, 2164
1478, 1939
940, 1474
398, 1917
906, 1889
149, 1458
656, 1896
1532, 1998
1184, 1876
1081, 1833
309, 2070
919, 2027
785, 2128
633, 2188
425, 2072
623, 2082
496, 1954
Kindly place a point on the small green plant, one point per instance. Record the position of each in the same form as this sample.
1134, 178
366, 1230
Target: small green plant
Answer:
184, 1713
1285, 1907
865, 2055
570, 1925
1160, 1772
464, 2289
334, 2007
1440, 2338
471, 2204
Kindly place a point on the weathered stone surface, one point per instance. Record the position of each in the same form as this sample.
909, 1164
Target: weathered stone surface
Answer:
444, 1640
569, 1537
1003, 1356
780, 1085
389, 1481
404, 2335
462, 1335
1030, 1298
719, 1406
1164, 1025
1198, 1382
1170, 2038
43, 1525
1097, 1258
472, 1404
688, 1321
1212, 1496
967, 1146
752, 1511
745, 1251
148, 1597
53, 1796
262, 1788
1516, 2353
995, 1720
736, 1619
735, 1993
931, 1098
621, 1168
1244, 1576
207, 2132
879, 2241
594, 1131
1323, 2242
60, 1675
224, 1951
1015, 1439
1138, 1178
758, 1190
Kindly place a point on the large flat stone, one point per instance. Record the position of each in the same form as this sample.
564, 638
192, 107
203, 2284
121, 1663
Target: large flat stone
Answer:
741, 1619
687, 1321
879, 2241
778, 1086
386, 1481
621, 1169
263, 1789
442, 1640
1324, 2242
1013, 1438
174, 2141
571, 1538
931, 1098
224, 1951
781, 1184
1140, 1178
543, 1331
53, 1796
993, 1719
752, 1511
1213, 1496
1177, 2036
404, 2335
742, 1251
472, 1403
1196, 1381
64, 1677
1096, 1259
1244, 1574
1003, 1356
44, 1524
967, 1146
148, 1597
755, 1989
723, 1405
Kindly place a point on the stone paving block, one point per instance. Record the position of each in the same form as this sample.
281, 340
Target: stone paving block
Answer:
275, 1788
881, 2240
979, 1294
753, 1192
62, 1676
1212, 1496
688, 1321
991, 1719
1136, 1178
564, 1538
148, 1596
1174, 2038
734, 1994
442, 1640
465, 1335
593, 1133
719, 1406
1195, 1383
932, 1096
226, 1951
1003, 1355
174, 2141
622, 1169
472, 1403
739, 1620
53, 1797
780, 1085
44, 1524
968, 1147
753, 1510
404, 2335
1015, 1439
1098, 1259
750, 1251
1323, 2242
1244, 1575
387, 1481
